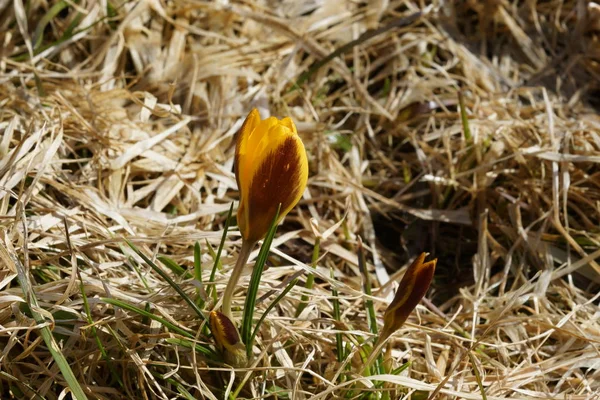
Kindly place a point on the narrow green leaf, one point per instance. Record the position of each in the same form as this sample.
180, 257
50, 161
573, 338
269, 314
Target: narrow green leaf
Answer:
135, 266
197, 262
38, 34
201, 299
289, 287
173, 266
45, 332
217, 256
255, 282
182, 390
170, 326
363, 352
90, 321
400, 369
17, 393
189, 344
167, 278
68, 33
477, 376
369, 308
126, 306
146, 320
362, 265
339, 342
211, 279
310, 279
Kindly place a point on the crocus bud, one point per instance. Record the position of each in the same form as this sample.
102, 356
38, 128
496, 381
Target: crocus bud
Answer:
271, 168
413, 286
228, 340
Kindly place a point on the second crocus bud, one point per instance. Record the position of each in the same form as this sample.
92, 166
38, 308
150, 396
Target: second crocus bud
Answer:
227, 339
413, 286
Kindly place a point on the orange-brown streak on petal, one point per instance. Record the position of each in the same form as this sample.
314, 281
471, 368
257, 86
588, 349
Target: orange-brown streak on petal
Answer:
275, 181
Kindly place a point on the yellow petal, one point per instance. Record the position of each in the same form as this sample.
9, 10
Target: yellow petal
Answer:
287, 121
272, 169
249, 125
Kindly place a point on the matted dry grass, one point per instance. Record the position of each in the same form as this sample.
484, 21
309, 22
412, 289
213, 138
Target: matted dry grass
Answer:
116, 120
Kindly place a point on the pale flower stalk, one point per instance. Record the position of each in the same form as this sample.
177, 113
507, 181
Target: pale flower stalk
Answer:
271, 170
235, 276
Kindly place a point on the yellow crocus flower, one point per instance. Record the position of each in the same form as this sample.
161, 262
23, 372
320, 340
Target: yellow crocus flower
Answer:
271, 168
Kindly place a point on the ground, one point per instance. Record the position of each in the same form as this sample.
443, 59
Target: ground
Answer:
466, 129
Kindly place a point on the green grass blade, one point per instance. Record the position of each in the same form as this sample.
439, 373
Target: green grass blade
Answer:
255, 282
182, 390
337, 315
71, 28
69, 33
135, 266
45, 331
189, 344
170, 326
212, 292
200, 300
17, 393
271, 306
217, 256
362, 265
369, 308
401, 368
363, 352
167, 278
126, 306
197, 262
173, 266
477, 376
310, 279
38, 34
90, 321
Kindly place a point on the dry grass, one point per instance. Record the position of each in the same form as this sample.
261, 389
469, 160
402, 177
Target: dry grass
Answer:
116, 121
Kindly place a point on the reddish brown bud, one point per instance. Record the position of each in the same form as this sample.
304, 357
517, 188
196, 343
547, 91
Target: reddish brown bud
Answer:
227, 339
412, 289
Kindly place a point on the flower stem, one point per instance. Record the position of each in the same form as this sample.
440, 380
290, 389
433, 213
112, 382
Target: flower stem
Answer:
235, 276
375, 352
